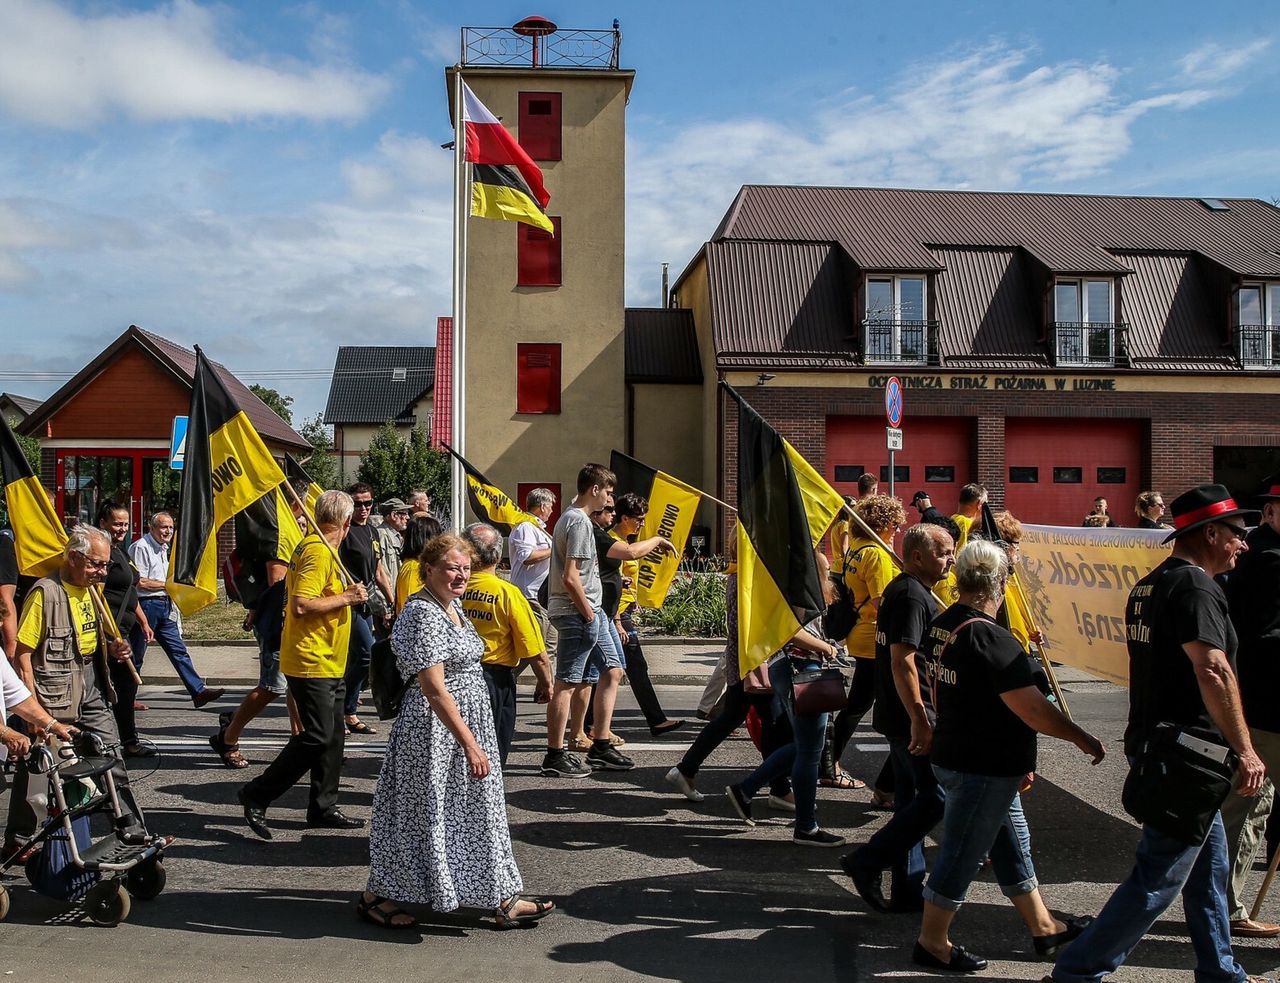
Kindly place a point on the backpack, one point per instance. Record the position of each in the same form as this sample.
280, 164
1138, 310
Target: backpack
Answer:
245, 583
842, 614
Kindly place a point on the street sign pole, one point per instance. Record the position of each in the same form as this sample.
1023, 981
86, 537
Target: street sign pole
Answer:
893, 413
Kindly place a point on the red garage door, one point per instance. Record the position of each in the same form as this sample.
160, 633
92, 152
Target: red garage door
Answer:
1056, 468
936, 456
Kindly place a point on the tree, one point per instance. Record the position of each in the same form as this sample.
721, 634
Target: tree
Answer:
322, 466
382, 465
427, 469
279, 403
31, 450
392, 465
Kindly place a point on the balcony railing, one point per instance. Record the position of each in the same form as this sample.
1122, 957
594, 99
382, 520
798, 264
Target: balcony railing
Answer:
900, 342
1258, 345
1089, 343
502, 46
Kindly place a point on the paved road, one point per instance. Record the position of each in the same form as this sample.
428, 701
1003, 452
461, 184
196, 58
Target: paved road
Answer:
652, 887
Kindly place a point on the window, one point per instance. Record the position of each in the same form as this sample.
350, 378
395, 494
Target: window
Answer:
537, 378
539, 126
1258, 323
1068, 476
1111, 476
895, 325
939, 472
901, 472
538, 256
1079, 305
849, 472
1024, 476
399, 374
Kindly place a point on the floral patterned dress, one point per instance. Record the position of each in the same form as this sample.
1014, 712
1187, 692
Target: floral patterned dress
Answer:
439, 837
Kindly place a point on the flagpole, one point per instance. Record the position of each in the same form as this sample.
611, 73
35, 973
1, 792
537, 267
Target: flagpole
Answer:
872, 535
457, 367
105, 619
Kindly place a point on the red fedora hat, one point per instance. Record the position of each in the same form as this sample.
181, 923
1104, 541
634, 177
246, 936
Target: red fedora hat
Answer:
1202, 505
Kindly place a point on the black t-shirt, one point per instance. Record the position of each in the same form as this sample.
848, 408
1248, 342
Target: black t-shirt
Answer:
359, 554
8, 562
976, 732
1253, 592
906, 608
119, 590
610, 573
1175, 603
1145, 523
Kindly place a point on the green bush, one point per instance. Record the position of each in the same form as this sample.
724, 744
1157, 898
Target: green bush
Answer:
694, 606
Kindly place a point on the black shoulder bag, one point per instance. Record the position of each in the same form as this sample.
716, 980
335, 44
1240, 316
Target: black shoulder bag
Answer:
842, 614
1179, 781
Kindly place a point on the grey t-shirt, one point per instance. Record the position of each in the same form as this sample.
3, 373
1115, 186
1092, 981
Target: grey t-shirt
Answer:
573, 538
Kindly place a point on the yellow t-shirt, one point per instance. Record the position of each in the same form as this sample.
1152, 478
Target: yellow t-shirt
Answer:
503, 619
1018, 617
314, 646
408, 583
630, 572
838, 538
83, 613
869, 571
965, 523
947, 588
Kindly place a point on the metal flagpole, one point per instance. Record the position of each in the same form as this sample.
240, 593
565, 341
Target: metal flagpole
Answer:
458, 367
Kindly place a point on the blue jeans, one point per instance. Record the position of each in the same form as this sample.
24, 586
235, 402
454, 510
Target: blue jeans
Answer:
159, 612
801, 757
358, 652
982, 817
580, 648
1164, 868
917, 807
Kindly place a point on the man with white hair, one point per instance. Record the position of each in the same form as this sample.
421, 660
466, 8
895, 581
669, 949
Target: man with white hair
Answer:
62, 655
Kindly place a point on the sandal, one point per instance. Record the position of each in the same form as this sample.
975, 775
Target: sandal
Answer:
359, 727
881, 800
614, 740
504, 918
582, 743
373, 912
229, 753
842, 780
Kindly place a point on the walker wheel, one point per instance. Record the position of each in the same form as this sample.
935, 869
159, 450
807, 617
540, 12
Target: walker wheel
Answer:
107, 903
146, 881
4, 904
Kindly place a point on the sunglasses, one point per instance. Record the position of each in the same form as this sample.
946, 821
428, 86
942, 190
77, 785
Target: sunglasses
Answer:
609, 510
360, 504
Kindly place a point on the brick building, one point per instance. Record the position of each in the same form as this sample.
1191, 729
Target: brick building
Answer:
1053, 347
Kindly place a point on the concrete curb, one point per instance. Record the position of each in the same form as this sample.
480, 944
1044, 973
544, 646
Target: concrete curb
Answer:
171, 681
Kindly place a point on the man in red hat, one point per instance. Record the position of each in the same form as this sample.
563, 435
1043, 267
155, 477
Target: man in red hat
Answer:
1254, 593
1181, 646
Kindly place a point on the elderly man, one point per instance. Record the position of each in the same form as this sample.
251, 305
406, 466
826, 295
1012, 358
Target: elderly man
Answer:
150, 556
503, 618
395, 520
419, 501
531, 556
62, 654
318, 613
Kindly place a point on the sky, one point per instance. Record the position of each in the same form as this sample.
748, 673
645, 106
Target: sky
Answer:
266, 179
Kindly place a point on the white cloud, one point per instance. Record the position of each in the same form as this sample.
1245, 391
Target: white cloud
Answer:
987, 118
1215, 62
60, 69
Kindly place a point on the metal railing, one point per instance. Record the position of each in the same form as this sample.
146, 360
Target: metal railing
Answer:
1258, 345
888, 341
502, 46
1090, 343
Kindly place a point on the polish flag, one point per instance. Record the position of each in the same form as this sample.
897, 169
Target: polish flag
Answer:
489, 142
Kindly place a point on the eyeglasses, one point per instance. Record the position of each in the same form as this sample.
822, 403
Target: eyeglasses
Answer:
94, 564
1239, 531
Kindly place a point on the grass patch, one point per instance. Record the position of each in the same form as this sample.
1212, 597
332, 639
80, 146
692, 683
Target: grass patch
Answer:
695, 606
219, 622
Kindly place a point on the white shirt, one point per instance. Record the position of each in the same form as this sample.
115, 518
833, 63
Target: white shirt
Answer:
525, 538
12, 692
151, 558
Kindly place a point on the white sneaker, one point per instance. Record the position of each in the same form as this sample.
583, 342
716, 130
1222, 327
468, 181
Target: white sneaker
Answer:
781, 804
676, 780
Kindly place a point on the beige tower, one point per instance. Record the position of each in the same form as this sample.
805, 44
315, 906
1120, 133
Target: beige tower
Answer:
544, 317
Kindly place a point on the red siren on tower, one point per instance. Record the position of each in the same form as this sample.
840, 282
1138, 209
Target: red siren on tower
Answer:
535, 26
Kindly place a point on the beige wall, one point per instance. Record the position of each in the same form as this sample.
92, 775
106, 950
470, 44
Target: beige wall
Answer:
584, 314
694, 294
668, 431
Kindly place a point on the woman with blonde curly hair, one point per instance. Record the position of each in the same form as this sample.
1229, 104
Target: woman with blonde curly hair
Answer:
867, 572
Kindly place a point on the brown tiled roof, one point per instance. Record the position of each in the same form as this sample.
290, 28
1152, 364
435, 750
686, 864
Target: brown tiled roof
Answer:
985, 307
661, 345
1166, 305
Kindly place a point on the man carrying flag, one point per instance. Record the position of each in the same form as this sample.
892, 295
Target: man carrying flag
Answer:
505, 182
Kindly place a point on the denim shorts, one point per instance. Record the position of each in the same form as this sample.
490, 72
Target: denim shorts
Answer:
581, 651
982, 817
270, 678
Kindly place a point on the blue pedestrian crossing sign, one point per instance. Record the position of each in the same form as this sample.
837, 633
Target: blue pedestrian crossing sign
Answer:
178, 443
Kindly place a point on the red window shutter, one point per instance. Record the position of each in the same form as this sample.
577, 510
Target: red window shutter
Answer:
537, 378
539, 125
538, 256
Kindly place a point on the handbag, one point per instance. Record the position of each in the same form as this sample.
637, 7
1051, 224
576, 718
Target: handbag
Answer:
819, 691
386, 685
841, 615
1179, 781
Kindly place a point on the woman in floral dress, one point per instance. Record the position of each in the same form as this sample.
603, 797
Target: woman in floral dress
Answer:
439, 834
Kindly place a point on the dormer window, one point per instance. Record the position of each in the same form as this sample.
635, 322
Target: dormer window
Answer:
1257, 317
399, 374
1084, 328
896, 327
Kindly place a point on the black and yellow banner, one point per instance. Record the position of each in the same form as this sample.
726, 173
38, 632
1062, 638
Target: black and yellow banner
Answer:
38, 536
500, 192
294, 472
228, 468
784, 509
490, 503
672, 506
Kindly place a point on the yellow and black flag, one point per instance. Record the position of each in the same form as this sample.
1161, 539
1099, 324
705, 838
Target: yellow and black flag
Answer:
489, 503
784, 509
267, 530
38, 536
672, 505
294, 472
228, 468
